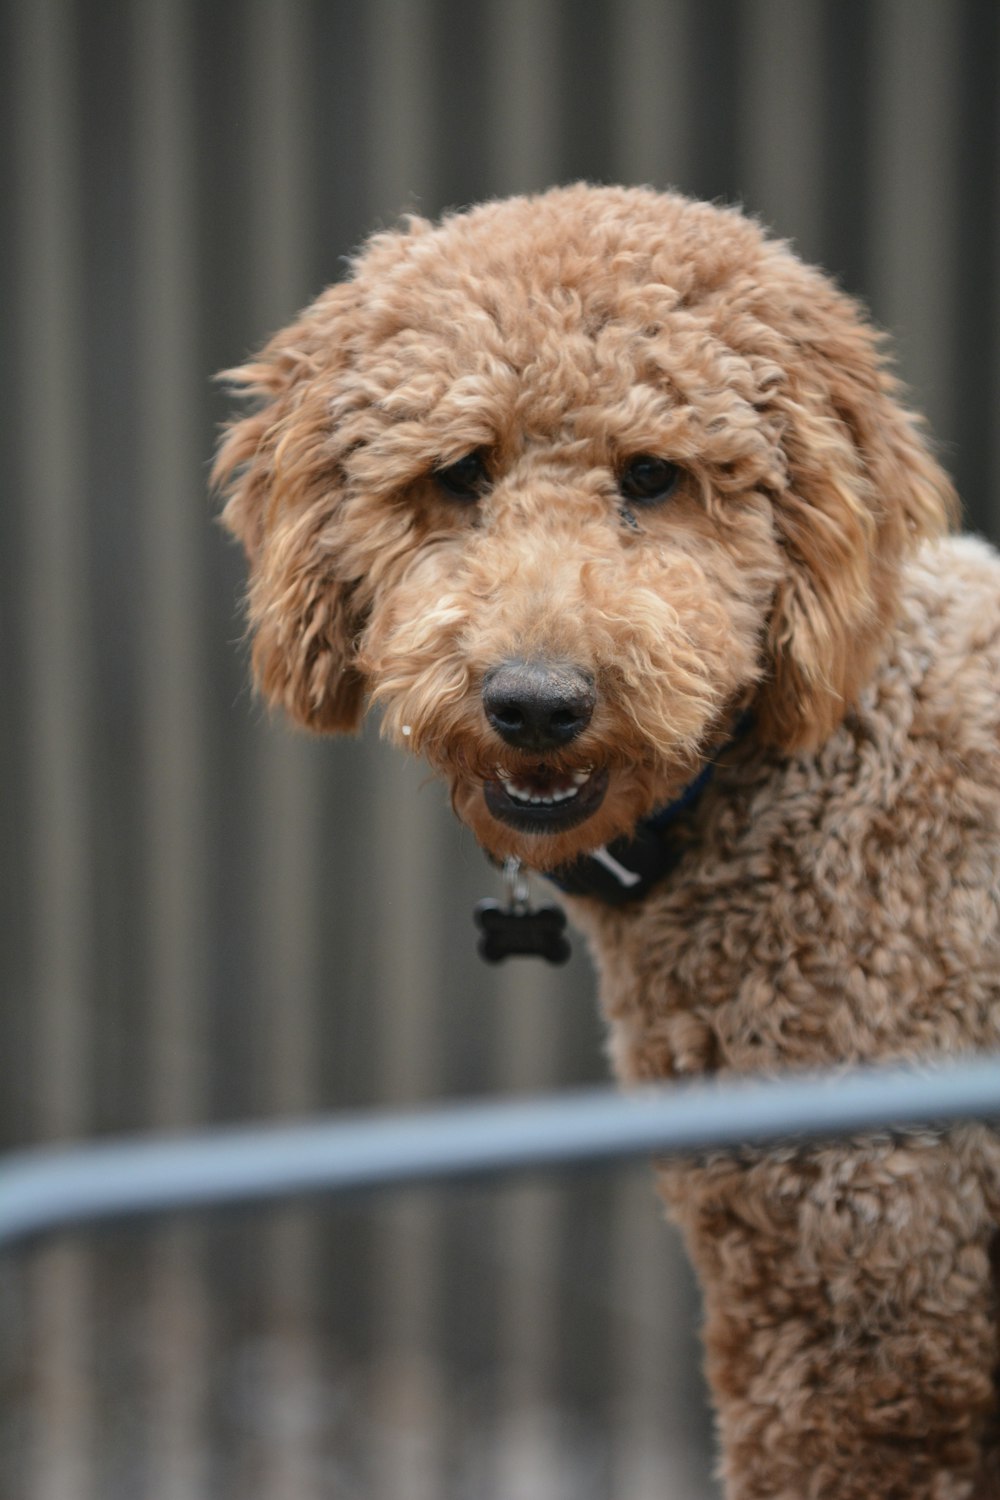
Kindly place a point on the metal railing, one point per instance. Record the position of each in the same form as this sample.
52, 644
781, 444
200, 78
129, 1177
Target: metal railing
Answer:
46, 1189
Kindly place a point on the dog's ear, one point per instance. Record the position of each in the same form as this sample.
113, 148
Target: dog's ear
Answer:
280, 468
862, 491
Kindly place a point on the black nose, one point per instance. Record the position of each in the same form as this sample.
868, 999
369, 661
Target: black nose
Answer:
538, 705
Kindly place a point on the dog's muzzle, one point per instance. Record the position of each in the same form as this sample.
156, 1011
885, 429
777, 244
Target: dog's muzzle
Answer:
539, 708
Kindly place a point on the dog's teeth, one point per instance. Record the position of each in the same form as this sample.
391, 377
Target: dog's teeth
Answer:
531, 796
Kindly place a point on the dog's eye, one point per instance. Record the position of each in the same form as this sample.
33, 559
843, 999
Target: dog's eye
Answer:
466, 479
646, 479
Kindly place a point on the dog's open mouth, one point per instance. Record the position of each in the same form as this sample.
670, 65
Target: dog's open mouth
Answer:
541, 800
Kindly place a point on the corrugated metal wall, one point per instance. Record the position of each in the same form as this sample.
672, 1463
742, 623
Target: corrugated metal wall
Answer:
205, 917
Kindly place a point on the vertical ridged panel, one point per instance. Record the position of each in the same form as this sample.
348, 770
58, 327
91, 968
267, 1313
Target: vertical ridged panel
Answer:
58, 716
653, 122
914, 288
176, 1335
782, 143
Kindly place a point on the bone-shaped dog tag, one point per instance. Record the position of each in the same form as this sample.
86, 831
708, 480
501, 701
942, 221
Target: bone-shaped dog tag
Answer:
537, 932
518, 929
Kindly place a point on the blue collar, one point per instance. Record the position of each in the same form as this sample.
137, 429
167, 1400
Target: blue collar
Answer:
628, 868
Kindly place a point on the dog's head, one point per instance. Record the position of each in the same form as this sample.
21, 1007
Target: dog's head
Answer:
565, 484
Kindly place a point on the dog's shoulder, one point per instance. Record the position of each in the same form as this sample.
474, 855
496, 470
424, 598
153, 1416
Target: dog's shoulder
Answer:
945, 651
954, 577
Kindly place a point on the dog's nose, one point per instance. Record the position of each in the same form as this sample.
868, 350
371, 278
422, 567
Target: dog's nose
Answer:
538, 705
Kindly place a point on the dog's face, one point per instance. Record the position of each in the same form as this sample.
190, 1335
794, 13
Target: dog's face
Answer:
565, 485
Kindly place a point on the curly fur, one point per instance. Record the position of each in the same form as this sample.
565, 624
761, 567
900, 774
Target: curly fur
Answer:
837, 900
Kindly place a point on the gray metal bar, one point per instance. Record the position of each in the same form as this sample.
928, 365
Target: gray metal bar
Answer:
44, 1189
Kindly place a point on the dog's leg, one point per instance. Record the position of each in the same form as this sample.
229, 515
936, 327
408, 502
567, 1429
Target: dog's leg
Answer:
851, 1328
987, 1486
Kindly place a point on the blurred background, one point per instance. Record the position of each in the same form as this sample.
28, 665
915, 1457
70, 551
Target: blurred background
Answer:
206, 917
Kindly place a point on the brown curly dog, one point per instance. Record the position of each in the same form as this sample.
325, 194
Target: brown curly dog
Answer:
610, 503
